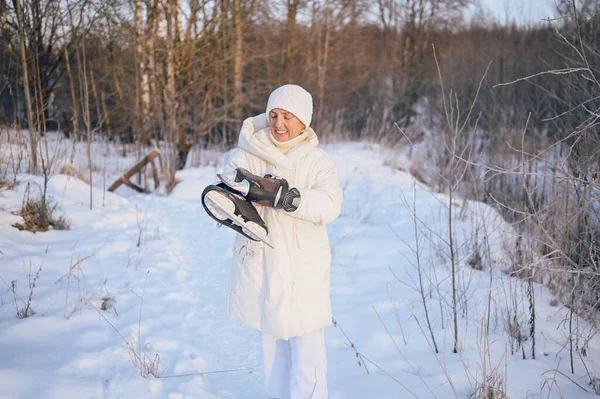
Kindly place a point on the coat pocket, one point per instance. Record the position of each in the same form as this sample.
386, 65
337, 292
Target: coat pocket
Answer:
312, 257
248, 265
310, 236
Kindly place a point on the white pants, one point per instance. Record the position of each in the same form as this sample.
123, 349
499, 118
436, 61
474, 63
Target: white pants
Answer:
296, 368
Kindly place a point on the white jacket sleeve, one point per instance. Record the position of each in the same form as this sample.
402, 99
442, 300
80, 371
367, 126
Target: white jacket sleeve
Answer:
239, 158
322, 203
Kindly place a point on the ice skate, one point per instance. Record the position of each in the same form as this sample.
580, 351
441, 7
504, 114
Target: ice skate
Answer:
267, 191
231, 209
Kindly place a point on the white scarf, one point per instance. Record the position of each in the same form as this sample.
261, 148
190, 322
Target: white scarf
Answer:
285, 146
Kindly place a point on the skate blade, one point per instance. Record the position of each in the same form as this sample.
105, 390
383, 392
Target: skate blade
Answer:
229, 178
223, 209
215, 210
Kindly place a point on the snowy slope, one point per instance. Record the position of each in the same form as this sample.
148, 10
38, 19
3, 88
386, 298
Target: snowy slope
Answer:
181, 269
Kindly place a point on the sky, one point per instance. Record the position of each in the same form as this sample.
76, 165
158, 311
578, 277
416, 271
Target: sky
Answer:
522, 11
503, 11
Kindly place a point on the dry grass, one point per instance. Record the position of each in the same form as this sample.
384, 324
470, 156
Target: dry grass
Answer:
419, 174
412, 163
171, 184
203, 157
85, 292
25, 310
70, 170
492, 388
40, 215
6, 184
514, 330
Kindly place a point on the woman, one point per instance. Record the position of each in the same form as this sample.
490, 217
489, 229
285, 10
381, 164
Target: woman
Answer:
284, 290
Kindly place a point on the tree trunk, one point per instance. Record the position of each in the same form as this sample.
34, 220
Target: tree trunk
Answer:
32, 134
238, 61
85, 106
322, 65
170, 91
183, 145
222, 73
5, 32
143, 75
76, 127
41, 110
106, 116
288, 52
156, 69
99, 115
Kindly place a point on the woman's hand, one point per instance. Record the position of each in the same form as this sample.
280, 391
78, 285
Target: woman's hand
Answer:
266, 191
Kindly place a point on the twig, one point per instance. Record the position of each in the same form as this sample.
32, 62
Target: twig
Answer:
140, 319
567, 377
400, 352
351, 345
404, 134
205, 373
564, 71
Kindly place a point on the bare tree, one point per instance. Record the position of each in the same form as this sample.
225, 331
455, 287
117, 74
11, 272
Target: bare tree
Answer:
290, 40
238, 60
143, 73
323, 43
24, 64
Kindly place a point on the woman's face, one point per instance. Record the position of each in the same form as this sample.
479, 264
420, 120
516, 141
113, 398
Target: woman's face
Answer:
284, 125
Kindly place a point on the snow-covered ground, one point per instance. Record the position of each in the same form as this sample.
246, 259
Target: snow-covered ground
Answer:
166, 297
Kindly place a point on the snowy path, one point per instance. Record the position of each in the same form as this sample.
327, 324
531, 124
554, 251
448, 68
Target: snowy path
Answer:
183, 316
196, 274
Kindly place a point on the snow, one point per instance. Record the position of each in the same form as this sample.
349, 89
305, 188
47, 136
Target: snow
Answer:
169, 294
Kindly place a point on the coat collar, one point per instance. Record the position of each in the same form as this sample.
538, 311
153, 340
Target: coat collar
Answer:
254, 138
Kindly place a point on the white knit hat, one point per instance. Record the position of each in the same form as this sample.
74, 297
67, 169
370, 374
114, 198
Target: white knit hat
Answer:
294, 99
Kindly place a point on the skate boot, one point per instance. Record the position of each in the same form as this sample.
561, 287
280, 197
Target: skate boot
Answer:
229, 208
267, 191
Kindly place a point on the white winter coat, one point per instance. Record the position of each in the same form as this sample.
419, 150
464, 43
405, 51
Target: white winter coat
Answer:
285, 291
